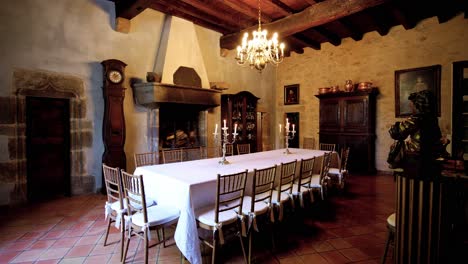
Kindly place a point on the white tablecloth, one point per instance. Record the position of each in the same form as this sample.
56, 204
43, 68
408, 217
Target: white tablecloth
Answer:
192, 184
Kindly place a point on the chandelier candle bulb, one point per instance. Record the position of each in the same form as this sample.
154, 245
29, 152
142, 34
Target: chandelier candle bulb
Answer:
294, 130
216, 130
280, 127
235, 128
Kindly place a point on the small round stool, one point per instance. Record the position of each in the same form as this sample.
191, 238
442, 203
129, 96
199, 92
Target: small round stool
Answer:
391, 226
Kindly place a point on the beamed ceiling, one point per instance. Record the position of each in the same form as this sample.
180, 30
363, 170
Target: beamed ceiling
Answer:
300, 23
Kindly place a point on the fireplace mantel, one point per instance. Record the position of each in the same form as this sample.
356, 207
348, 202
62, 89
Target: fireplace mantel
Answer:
153, 94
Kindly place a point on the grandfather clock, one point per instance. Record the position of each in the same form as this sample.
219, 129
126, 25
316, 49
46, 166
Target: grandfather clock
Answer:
113, 128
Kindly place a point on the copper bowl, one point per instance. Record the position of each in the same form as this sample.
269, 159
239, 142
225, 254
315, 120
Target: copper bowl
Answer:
364, 85
323, 90
335, 89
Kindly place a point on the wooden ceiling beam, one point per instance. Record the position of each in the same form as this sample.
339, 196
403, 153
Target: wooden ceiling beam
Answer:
332, 38
405, 20
311, 2
207, 7
315, 15
305, 41
354, 33
246, 10
131, 8
213, 23
284, 7
382, 27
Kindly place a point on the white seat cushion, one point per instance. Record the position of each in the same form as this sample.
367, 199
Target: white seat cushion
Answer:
283, 198
391, 220
302, 190
157, 215
334, 171
259, 207
315, 182
206, 215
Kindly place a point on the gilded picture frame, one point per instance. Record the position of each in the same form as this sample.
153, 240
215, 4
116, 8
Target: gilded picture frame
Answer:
291, 94
413, 80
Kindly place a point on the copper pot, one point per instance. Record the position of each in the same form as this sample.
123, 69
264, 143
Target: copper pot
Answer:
364, 85
324, 90
335, 89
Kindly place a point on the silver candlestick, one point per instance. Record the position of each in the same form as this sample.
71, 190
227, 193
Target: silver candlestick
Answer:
288, 137
225, 141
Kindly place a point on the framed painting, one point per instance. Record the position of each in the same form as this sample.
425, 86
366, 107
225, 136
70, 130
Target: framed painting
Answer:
414, 80
291, 94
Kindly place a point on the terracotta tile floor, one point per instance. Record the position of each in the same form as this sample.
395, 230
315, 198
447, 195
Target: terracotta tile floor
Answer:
347, 228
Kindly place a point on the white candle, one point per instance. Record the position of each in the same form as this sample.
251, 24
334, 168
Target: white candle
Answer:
216, 129
280, 127
235, 128
224, 123
294, 130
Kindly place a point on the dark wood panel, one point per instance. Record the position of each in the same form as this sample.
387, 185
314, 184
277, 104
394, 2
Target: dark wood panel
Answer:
47, 147
348, 120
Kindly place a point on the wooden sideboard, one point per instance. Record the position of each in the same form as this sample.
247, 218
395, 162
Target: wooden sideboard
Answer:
348, 119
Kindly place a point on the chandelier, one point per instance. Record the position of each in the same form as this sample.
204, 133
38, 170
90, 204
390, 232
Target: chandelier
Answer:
259, 51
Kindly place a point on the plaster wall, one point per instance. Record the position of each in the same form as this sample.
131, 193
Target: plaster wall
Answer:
375, 58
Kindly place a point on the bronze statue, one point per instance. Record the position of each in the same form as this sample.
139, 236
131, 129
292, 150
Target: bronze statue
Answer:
419, 143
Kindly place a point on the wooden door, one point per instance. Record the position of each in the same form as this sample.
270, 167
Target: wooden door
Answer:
47, 147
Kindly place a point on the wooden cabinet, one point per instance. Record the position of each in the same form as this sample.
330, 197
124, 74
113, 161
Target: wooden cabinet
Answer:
460, 111
348, 119
241, 109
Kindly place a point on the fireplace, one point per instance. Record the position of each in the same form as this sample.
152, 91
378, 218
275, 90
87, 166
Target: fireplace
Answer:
177, 112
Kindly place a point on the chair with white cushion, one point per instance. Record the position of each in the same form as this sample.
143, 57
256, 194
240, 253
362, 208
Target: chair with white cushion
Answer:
340, 174
227, 211
327, 146
192, 154
391, 227
259, 204
301, 186
283, 192
172, 155
308, 143
243, 149
114, 208
145, 159
142, 218
321, 180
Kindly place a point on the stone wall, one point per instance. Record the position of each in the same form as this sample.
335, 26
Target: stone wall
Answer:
375, 58
13, 130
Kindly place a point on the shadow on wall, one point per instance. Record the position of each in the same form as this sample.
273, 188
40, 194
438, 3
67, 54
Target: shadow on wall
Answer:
96, 100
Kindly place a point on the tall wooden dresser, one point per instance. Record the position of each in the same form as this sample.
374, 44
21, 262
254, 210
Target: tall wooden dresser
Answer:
348, 119
241, 109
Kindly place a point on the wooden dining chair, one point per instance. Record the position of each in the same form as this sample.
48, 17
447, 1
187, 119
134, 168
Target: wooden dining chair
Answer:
172, 155
143, 219
302, 187
227, 211
229, 150
243, 149
327, 146
308, 143
259, 204
114, 208
321, 180
192, 153
338, 175
283, 192
145, 159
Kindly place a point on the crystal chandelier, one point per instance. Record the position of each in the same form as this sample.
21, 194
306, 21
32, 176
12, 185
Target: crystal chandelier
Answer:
259, 51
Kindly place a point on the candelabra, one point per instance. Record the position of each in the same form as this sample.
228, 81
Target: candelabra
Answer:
287, 137
225, 141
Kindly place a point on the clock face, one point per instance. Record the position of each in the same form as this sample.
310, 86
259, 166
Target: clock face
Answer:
115, 76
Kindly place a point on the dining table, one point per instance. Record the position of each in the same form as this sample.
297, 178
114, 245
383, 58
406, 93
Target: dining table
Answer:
191, 185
